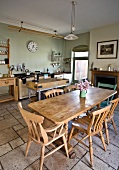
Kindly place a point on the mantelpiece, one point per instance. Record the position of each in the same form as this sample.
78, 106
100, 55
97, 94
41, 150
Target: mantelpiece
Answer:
110, 77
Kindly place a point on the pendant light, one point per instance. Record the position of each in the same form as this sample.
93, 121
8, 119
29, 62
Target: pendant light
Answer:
71, 36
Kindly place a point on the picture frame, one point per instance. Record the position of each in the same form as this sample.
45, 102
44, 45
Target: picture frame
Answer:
107, 49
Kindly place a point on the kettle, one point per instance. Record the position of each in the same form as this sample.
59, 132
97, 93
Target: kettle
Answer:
27, 72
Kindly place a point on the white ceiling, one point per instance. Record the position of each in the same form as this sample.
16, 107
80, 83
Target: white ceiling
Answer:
56, 14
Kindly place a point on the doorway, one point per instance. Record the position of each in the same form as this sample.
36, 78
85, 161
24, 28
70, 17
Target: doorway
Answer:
80, 65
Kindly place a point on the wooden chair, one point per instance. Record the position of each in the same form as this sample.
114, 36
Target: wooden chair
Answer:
110, 119
39, 135
53, 93
69, 88
109, 86
90, 126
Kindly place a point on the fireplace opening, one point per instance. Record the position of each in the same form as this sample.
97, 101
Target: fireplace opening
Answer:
104, 79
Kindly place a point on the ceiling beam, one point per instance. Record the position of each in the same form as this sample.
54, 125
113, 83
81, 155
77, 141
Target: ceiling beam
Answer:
21, 29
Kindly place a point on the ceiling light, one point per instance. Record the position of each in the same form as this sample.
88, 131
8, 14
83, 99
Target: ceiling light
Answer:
21, 26
56, 35
71, 36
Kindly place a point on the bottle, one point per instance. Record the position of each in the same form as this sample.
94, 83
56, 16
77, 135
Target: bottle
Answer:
47, 70
109, 67
35, 77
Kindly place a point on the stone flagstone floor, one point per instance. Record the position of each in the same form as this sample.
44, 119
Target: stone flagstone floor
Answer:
13, 138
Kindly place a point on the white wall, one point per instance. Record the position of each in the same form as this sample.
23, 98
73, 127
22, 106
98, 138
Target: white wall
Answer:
110, 32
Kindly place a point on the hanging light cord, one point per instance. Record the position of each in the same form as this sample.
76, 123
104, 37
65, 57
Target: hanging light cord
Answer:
73, 17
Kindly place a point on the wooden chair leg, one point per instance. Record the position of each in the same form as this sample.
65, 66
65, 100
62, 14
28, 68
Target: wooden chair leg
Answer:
28, 145
42, 157
91, 150
114, 126
103, 141
107, 133
70, 135
65, 145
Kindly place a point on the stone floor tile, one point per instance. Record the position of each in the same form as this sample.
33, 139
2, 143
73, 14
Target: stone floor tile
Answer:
8, 116
98, 164
5, 105
7, 135
23, 133
4, 149
113, 137
4, 124
35, 166
111, 156
4, 112
81, 166
58, 161
16, 114
18, 127
73, 142
80, 152
21, 120
10, 108
1, 118
16, 159
16, 142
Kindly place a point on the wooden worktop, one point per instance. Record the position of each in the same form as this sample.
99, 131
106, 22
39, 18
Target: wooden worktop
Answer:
46, 83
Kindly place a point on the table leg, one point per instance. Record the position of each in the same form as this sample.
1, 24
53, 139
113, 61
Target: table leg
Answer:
39, 95
72, 154
29, 93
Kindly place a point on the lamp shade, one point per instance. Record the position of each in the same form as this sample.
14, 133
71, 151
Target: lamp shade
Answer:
71, 36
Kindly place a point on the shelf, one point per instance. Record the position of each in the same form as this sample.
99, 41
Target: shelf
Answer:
4, 64
6, 97
5, 52
4, 46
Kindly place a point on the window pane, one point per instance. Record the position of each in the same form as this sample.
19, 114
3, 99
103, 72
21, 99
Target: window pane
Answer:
81, 54
81, 69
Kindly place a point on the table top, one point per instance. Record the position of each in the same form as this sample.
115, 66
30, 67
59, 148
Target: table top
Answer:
66, 107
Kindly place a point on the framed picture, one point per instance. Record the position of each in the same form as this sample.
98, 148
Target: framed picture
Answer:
107, 49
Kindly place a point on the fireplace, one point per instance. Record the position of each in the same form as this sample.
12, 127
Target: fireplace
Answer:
104, 79
108, 77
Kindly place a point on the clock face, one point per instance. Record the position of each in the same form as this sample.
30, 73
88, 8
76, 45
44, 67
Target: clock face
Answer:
32, 46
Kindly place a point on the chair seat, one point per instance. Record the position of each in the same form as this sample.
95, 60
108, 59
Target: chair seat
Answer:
104, 104
83, 121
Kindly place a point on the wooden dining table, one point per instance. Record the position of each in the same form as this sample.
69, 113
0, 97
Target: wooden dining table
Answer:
66, 107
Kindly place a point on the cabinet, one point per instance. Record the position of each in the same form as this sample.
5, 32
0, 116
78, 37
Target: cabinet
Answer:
4, 53
11, 82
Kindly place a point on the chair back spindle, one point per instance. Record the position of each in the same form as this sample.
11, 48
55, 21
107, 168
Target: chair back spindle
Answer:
97, 120
53, 93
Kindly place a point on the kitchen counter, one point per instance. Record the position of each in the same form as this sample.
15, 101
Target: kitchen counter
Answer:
45, 84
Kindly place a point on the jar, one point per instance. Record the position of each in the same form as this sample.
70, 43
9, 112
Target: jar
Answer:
109, 68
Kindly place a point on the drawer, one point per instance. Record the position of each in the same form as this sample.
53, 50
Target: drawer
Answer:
6, 82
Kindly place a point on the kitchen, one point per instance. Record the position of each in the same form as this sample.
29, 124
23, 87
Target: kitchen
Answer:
20, 57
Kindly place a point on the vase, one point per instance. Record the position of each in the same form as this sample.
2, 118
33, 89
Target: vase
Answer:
83, 93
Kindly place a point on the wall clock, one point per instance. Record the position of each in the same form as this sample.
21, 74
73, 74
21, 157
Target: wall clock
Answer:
32, 46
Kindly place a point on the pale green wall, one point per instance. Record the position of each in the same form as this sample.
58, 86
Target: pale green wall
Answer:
19, 53
83, 39
110, 32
